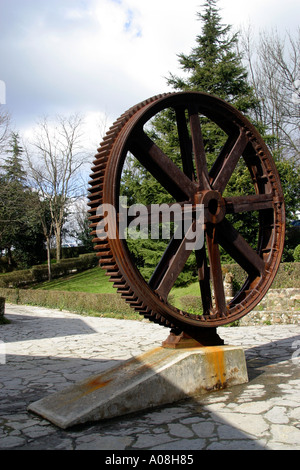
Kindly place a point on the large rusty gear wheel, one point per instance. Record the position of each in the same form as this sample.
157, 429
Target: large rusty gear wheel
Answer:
193, 183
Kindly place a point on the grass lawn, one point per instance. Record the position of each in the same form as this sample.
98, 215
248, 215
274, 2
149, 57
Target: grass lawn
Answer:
93, 280
191, 289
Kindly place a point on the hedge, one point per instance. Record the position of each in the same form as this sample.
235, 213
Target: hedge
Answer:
39, 273
92, 303
288, 275
80, 302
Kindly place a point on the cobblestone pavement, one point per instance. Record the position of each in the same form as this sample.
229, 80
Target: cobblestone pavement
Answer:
43, 351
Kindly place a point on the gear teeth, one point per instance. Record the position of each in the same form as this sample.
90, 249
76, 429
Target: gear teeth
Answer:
123, 290
102, 246
98, 179
94, 204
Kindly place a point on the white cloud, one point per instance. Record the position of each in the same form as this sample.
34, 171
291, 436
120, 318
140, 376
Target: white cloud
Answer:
262, 14
100, 57
2, 92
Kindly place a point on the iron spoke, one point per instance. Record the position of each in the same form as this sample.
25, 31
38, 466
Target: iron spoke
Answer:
203, 277
198, 149
216, 270
239, 249
162, 167
170, 266
227, 161
253, 202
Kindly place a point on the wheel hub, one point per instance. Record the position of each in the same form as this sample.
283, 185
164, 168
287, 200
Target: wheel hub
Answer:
213, 204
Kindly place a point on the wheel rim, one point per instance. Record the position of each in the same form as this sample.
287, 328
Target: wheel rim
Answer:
193, 183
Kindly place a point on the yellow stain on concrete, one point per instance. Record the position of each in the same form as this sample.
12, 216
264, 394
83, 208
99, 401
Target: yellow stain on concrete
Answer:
216, 363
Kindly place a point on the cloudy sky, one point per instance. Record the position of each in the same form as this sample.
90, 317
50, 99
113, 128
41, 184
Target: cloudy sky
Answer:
100, 57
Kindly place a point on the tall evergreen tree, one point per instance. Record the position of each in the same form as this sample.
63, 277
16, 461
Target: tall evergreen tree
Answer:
20, 231
12, 196
13, 165
214, 66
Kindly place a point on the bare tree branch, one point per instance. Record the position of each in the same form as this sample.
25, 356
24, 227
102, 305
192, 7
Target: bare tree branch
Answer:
5, 123
55, 156
274, 65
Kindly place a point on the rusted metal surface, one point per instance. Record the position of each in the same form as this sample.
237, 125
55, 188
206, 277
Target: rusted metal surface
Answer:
194, 183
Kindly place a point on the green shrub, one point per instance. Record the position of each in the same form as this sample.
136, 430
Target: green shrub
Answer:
191, 304
4, 266
297, 253
39, 273
16, 278
11, 295
288, 275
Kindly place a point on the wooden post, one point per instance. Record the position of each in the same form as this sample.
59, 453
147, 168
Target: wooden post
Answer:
2, 306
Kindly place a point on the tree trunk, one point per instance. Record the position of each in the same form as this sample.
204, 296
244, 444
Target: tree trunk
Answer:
58, 242
49, 259
9, 256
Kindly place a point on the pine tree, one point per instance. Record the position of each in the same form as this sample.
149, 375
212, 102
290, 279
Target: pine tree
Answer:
214, 66
20, 231
13, 165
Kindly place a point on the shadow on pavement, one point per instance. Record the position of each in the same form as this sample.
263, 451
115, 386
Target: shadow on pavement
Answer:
34, 327
30, 378
260, 358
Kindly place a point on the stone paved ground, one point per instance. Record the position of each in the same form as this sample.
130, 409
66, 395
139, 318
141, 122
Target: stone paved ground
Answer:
43, 351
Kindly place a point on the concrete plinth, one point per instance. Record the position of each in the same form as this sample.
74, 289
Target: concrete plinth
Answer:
160, 376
